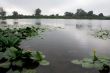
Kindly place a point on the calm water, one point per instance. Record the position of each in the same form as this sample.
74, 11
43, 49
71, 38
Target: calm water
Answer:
61, 46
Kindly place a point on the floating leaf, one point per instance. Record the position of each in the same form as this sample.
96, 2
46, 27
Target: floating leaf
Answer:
76, 62
29, 71
1, 55
5, 64
10, 53
98, 65
38, 56
18, 63
44, 62
87, 65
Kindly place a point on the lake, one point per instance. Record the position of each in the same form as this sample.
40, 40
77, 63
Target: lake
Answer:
72, 39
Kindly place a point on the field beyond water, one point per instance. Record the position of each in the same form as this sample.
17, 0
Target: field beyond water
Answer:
68, 39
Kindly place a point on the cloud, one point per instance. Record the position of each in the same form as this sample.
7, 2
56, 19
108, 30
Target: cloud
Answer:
55, 6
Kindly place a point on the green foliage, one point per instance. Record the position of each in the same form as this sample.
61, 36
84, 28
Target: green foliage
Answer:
9, 41
27, 59
29, 71
38, 12
102, 34
100, 63
12, 37
15, 13
15, 59
5, 64
80, 14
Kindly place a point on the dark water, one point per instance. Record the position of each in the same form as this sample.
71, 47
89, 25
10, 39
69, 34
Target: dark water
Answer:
61, 46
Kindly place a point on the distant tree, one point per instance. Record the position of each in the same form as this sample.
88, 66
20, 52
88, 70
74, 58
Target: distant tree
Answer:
15, 13
2, 12
52, 15
90, 13
57, 15
38, 12
1, 9
68, 14
81, 12
101, 15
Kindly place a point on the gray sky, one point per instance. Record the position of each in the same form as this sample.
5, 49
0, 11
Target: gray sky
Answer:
55, 6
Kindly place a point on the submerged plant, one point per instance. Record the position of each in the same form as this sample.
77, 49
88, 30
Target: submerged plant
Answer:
100, 63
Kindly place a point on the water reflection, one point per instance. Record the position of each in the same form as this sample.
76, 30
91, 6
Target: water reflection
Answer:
38, 23
61, 46
15, 22
3, 22
79, 26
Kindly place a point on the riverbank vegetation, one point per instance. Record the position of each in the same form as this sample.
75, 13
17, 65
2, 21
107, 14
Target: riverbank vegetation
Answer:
80, 14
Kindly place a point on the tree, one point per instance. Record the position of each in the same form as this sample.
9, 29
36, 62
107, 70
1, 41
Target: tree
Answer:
68, 14
90, 13
81, 12
2, 12
101, 15
57, 15
38, 12
15, 13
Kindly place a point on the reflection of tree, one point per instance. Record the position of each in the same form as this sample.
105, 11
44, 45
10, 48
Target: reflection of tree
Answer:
89, 26
15, 22
38, 22
79, 26
3, 22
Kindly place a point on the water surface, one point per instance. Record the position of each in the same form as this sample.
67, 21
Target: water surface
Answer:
72, 41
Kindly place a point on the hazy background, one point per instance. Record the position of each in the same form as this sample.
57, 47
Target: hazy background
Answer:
55, 6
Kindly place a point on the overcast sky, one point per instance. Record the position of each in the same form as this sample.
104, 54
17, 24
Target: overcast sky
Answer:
55, 6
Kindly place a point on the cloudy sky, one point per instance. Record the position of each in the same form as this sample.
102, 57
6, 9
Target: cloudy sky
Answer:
55, 6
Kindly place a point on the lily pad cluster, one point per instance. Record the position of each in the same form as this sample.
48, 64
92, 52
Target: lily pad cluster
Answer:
102, 34
100, 63
16, 59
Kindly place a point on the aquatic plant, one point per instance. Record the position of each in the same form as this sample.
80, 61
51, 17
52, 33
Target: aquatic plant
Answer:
100, 63
9, 41
102, 34
15, 59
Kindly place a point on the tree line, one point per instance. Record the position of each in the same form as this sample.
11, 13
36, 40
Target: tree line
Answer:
80, 14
